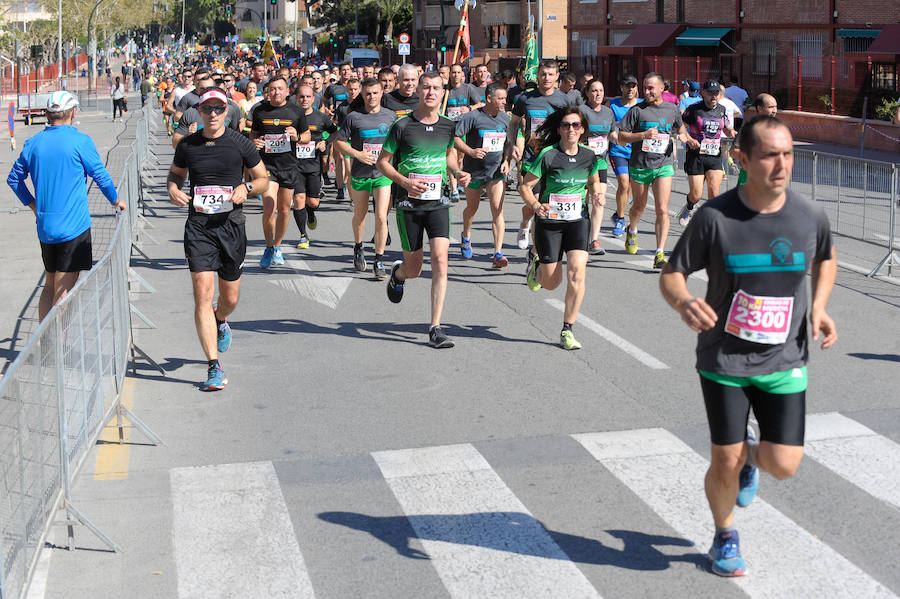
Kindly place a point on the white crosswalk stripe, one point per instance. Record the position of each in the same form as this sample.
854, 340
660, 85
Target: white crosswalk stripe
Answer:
482, 540
233, 536
783, 559
857, 453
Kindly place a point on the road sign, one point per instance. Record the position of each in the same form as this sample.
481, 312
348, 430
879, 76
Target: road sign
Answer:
404, 38
359, 39
403, 49
11, 113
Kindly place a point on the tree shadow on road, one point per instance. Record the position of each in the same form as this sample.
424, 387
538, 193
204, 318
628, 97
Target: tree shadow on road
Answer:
521, 533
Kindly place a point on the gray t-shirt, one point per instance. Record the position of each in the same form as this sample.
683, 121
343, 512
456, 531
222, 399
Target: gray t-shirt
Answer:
459, 99
766, 256
534, 108
652, 153
600, 124
575, 96
365, 131
481, 130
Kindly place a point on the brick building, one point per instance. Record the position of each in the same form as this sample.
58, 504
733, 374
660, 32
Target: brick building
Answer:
787, 48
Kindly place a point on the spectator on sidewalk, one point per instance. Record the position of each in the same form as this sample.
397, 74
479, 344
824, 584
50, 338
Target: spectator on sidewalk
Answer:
58, 159
146, 88
736, 93
118, 98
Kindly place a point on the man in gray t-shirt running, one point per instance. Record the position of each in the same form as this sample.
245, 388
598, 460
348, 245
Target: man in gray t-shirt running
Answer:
757, 243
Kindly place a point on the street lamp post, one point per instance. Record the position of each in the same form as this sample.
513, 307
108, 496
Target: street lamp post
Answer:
92, 46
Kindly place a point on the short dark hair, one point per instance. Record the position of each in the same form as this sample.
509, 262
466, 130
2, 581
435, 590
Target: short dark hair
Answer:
273, 80
747, 139
385, 71
492, 88
653, 74
429, 75
549, 63
352, 81
258, 64
507, 74
370, 81
569, 76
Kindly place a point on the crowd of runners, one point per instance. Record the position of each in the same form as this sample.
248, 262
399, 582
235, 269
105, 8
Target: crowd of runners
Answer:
416, 142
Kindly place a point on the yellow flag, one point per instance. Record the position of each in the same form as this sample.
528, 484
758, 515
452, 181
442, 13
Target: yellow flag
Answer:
267, 50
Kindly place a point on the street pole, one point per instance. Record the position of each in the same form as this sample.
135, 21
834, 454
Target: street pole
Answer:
59, 61
92, 47
356, 31
540, 28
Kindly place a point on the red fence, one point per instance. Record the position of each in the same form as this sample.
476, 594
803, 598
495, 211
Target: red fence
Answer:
42, 77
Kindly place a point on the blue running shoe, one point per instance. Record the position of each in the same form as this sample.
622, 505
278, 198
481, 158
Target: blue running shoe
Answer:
215, 380
618, 225
223, 337
749, 477
725, 555
278, 257
266, 260
465, 247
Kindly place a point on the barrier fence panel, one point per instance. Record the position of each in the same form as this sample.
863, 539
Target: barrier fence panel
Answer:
59, 392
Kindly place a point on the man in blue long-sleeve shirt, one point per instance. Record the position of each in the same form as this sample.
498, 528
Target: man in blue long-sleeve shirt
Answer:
58, 159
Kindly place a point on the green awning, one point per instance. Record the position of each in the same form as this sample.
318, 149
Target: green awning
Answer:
702, 36
872, 33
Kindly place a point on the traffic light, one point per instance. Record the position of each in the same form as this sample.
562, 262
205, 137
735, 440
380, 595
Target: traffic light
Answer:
273, 2
443, 48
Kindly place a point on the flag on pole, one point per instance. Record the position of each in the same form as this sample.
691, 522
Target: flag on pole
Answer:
466, 42
531, 56
267, 50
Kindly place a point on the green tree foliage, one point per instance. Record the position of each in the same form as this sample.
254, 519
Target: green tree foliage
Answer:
376, 17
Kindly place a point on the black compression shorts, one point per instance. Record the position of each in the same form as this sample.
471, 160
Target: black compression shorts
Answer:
552, 240
413, 226
309, 184
696, 163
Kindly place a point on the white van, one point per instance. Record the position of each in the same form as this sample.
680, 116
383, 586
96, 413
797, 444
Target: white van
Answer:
360, 57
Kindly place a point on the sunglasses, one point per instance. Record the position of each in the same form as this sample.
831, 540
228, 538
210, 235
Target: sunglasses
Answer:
214, 109
575, 125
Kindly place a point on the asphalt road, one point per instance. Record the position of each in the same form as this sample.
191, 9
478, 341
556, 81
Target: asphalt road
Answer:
346, 458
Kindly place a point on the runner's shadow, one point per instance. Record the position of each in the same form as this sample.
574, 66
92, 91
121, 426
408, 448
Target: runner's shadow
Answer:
885, 357
516, 532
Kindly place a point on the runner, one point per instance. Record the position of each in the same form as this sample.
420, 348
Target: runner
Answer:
361, 137
529, 112
403, 99
461, 98
352, 102
763, 104
706, 122
334, 95
481, 136
601, 123
479, 82
277, 129
565, 170
308, 185
652, 164
757, 243
619, 154
423, 146
215, 241
387, 78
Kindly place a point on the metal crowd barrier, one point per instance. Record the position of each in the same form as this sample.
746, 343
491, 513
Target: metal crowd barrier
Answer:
59, 393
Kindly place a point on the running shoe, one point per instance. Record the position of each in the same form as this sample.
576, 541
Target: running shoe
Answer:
631, 243
725, 555
277, 256
378, 270
596, 249
454, 197
359, 261
215, 379
618, 225
395, 287
340, 194
465, 247
266, 260
660, 260
531, 273
223, 337
684, 215
326, 180
568, 341
304, 242
311, 221
749, 477
522, 238
500, 261
438, 339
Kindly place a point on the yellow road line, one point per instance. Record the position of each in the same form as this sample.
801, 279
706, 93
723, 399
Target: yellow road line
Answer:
113, 457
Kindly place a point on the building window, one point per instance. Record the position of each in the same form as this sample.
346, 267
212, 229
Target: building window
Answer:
810, 48
588, 1
884, 76
852, 44
762, 54
503, 35
587, 43
617, 36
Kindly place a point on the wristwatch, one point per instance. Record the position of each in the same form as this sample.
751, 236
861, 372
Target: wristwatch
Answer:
249, 187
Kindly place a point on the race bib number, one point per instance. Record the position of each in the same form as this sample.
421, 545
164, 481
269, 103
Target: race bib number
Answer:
760, 319
277, 143
599, 144
493, 141
536, 122
565, 206
710, 147
656, 145
432, 185
373, 150
454, 112
212, 199
307, 150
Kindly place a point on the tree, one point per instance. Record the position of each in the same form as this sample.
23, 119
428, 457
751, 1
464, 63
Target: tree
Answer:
251, 35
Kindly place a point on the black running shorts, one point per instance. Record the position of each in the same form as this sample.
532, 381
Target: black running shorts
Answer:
309, 184
696, 163
215, 245
413, 225
284, 177
74, 255
552, 240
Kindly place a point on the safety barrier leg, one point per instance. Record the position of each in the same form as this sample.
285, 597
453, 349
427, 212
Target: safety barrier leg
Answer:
891, 257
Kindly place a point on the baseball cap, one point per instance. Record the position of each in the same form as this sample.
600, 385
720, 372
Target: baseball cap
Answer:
628, 80
711, 85
213, 94
60, 101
